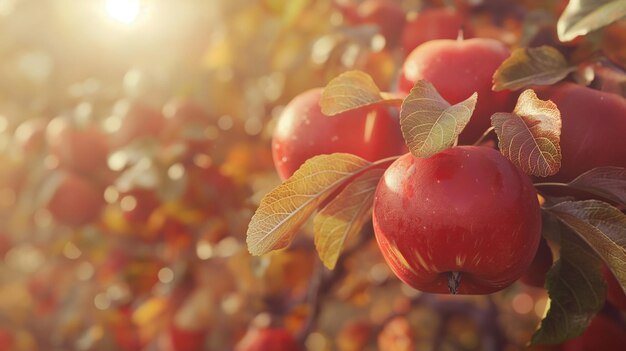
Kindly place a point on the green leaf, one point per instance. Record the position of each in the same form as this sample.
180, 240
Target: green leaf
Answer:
344, 216
429, 123
544, 65
608, 182
577, 292
601, 226
283, 211
352, 90
530, 135
583, 16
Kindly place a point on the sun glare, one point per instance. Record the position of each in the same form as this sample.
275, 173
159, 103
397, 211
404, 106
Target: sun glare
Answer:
124, 11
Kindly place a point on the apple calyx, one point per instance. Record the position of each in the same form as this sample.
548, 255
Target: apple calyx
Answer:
454, 281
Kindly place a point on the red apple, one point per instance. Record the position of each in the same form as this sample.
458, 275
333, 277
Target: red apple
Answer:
209, 189
602, 334
465, 212
267, 339
593, 128
7, 339
615, 294
303, 132
434, 23
83, 150
188, 122
458, 68
138, 120
137, 205
75, 200
186, 340
181, 113
536, 273
387, 15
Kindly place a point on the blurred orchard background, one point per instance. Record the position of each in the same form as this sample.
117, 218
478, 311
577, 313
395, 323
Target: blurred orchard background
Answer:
135, 147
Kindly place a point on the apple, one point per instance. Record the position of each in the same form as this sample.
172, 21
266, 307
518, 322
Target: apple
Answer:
541, 264
348, 10
138, 204
303, 131
464, 220
7, 339
434, 23
210, 190
602, 334
186, 340
83, 150
267, 339
615, 294
138, 120
75, 200
188, 121
457, 69
387, 15
593, 128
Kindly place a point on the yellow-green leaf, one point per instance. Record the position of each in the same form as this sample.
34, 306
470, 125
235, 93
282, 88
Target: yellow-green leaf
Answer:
544, 65
344, 216
352, 90
608, 182
283, 211
429, 123
601, 226
530, 135
583, 16
577, 291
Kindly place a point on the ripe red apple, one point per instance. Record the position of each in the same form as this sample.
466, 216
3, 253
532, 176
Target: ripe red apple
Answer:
387, 15
464, 219
7, 338
182, 112
83, 150
541, 264
593, 128
267, 339
138, 204
186, 121
303, 132
615, 294
210, 190
75, 200
138, 120
434, 23
458, 68
602, 334
185, 340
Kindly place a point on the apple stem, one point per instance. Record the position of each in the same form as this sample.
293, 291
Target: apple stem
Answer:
482, 137
454, 280
550, 184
